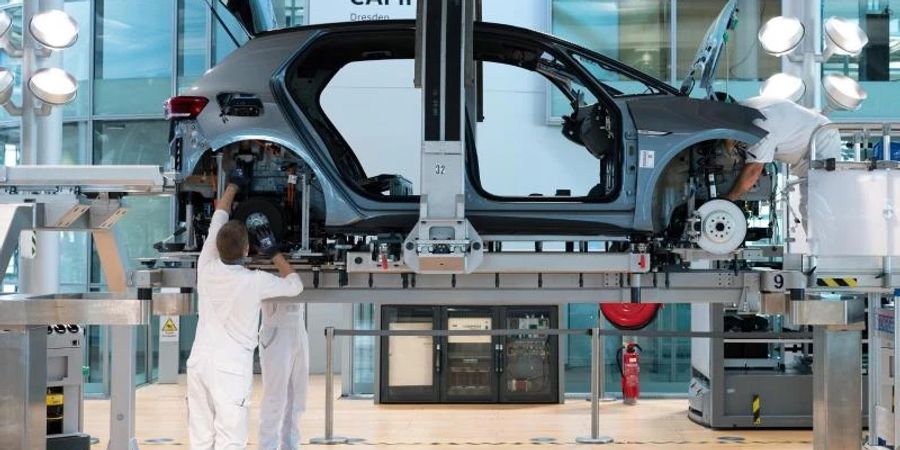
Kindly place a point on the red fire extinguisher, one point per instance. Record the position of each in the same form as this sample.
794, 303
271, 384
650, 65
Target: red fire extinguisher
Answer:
628, 359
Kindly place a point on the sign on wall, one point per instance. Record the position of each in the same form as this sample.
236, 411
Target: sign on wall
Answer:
327, 11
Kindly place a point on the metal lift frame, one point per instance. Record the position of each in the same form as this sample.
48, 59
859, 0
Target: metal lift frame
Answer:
444, 258
27, 191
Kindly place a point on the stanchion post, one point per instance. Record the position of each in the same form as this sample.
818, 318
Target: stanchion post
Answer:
330, 438
602, 365
596, 359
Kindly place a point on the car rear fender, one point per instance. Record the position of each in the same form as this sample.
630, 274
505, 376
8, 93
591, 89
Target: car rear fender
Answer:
662, 150
338, 211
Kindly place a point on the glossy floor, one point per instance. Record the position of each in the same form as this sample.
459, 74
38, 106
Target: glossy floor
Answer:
662, 424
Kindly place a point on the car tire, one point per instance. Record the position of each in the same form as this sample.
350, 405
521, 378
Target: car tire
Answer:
265, 209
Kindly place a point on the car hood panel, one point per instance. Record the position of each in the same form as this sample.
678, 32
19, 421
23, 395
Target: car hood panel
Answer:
688, 115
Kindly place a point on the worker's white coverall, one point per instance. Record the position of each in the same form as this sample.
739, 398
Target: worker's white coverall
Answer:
220, 368
790, 128
284, 357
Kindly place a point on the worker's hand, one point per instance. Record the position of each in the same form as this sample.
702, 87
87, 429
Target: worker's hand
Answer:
265, 241
239, 178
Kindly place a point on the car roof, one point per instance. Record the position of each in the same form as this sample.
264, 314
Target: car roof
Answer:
409, 24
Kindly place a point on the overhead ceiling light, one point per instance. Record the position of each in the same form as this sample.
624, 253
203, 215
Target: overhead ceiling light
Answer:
843, 92
53, 86
781, 35
7, 83
844, 37
783, 86
54, 29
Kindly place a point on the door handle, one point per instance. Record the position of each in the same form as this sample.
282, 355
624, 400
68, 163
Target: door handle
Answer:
501, 358
437, 358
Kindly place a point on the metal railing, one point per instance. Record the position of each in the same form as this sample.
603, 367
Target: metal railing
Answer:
861, 135
597, 361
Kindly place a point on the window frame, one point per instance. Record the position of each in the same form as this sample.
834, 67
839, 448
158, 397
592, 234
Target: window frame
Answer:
322, 125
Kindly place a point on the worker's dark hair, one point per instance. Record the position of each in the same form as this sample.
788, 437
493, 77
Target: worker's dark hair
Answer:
232, 241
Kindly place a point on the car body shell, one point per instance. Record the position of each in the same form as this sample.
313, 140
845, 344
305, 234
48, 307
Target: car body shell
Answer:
664, 125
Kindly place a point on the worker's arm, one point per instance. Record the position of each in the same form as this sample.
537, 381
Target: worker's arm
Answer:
749, 176
288, 284
281, 263
209, 252
224, 203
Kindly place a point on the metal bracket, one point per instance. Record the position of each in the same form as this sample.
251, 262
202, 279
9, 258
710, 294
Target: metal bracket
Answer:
751, 299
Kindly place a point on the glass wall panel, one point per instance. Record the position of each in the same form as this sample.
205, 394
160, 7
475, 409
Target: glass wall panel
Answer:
294, 11
665, 362
743, 64
133, 57
77, 59
227, 34
363, 350
192, 42
577, 354
131, 142
96, 358
635, 32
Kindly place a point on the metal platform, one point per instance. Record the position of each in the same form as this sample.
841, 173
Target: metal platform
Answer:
87, 309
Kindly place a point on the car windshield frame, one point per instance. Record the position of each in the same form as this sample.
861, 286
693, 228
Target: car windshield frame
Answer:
593, 66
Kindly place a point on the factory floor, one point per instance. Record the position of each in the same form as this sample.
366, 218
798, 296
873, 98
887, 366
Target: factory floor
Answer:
162, 424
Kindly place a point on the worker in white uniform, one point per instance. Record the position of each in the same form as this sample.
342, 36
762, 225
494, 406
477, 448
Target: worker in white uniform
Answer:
284, 359
220, 368
790, 128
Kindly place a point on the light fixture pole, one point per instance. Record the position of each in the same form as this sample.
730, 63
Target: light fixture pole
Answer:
808, 67
39, 270
41, 140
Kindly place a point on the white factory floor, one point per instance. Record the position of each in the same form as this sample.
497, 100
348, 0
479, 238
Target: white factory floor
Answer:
162, 424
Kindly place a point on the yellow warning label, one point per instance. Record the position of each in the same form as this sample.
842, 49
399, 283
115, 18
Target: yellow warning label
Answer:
844, 282
55, 399
169, 326
757, 418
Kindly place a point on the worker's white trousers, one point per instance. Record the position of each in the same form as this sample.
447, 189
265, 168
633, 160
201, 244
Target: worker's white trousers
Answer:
284, 359
218, 397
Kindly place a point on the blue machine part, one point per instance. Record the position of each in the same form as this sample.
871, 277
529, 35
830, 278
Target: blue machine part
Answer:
877, 151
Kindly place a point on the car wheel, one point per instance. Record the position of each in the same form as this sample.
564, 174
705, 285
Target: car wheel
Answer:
262, 211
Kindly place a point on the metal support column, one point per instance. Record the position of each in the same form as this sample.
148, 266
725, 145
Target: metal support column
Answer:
837, 388
169, 346
329, 438
896, 423
122, 354
873, 302
41, 143
23, 369
443, 241
596, 360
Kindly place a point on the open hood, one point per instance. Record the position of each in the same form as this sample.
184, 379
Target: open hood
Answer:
255, 16
702, 71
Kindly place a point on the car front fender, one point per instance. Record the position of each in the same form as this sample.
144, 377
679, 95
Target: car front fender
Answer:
656, 153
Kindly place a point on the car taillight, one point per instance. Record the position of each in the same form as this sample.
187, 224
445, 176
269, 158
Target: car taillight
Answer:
185, 107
